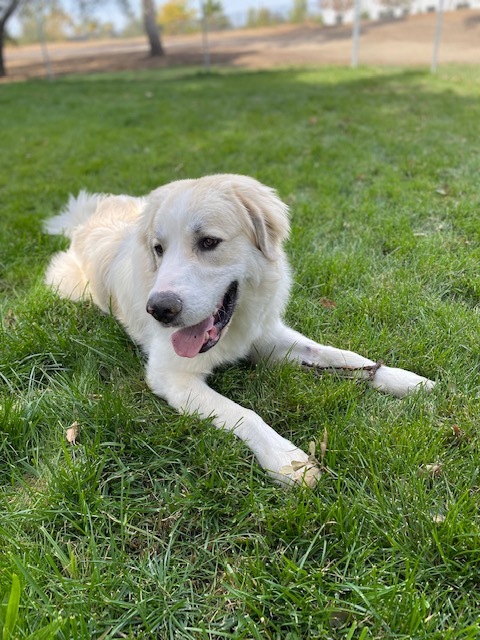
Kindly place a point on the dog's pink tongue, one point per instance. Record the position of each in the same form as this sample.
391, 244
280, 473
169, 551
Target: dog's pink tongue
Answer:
188, 342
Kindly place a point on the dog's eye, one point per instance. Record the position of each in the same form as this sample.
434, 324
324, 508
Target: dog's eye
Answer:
209, 243
158, 249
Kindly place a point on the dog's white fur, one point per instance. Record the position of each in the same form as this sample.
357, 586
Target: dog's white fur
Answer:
112, 259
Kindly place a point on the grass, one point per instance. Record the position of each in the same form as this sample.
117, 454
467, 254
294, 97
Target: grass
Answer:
154, 525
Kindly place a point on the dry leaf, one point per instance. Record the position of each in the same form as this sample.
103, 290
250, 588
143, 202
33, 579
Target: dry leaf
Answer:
310, 475
286, 470
10, 319
297, 465
72, 432
432, 470
457, 432
438, 518
339, 619
323, 445
327, 304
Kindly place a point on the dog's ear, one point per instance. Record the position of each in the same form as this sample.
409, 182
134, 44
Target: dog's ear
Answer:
268, 215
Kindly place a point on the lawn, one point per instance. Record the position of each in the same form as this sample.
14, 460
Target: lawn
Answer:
155, 525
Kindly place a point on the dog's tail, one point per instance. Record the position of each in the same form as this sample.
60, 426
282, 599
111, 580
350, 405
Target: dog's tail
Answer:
66, 276
77, 210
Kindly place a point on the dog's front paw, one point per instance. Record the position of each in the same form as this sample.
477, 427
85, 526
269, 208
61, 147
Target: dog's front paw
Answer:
300, 469
399, 382
302, 473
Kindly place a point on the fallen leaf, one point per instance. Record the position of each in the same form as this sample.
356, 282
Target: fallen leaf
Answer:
72, 432
297, 465
323, 445
10, 319
339, 619
432, 470
327, 304
310, 475
286, 470
457, 432
438, 518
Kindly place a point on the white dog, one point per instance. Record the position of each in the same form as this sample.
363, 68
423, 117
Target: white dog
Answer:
196, 274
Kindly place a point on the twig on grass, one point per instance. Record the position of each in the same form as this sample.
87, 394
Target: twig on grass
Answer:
346, 371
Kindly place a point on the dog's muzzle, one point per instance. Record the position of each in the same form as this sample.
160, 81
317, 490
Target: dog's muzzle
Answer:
189, 341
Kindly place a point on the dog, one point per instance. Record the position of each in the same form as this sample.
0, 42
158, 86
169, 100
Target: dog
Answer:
197, 275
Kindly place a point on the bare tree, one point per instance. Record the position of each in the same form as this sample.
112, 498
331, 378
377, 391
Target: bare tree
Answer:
7, 8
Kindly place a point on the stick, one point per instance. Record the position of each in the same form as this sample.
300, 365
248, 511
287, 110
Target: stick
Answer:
370, 369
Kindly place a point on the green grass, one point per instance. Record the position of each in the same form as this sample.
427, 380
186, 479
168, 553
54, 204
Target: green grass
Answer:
155, 525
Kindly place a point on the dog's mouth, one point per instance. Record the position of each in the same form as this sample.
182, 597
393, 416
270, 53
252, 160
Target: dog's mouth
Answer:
190, 341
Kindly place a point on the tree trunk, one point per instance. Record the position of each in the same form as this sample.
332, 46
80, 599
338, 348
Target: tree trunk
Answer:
2, 63
11, 6
151, 28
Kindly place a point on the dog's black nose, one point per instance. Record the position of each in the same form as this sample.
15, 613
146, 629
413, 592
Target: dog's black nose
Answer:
164, 307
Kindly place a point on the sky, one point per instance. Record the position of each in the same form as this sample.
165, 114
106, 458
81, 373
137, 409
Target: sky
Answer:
229, 6
109, 10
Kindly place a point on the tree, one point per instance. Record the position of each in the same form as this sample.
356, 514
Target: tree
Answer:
299, 11
262, 17
7, 9
56, 23
151, 28
213, 12
175, 16
134, 26
148, 17
211, 7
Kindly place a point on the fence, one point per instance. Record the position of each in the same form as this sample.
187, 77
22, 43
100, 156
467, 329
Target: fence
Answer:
339, 31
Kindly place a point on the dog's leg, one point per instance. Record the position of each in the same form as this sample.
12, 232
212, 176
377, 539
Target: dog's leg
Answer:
190, 394
283, 342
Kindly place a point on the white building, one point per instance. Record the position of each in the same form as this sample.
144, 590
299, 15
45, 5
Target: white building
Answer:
374, 10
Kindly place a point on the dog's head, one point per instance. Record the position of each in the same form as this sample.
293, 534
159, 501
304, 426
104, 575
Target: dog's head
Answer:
208, 239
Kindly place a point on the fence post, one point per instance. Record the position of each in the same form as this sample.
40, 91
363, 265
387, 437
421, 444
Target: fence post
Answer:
43, 43
206, 50
356, 33
438, 34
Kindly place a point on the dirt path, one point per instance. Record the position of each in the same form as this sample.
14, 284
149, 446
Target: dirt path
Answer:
397, 42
